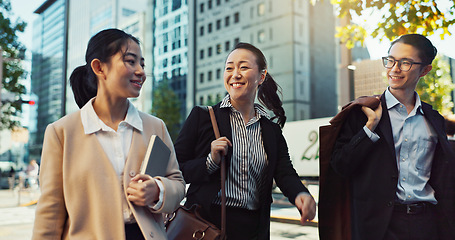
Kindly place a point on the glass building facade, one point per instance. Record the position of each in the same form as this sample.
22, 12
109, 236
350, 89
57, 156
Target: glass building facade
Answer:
170, 52
48, 67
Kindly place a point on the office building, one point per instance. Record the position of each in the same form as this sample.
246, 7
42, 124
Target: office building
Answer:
48, 75
86, 18
170, 49
296, 37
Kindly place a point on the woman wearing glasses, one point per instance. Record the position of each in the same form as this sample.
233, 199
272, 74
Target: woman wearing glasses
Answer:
397, 157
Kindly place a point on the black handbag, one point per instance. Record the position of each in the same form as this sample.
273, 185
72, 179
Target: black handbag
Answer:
187, 224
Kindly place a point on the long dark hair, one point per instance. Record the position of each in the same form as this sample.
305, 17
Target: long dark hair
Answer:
102, 46
427, 52
268, 90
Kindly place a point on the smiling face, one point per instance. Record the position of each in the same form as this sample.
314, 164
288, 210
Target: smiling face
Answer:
242, 76
124, 73
405, 81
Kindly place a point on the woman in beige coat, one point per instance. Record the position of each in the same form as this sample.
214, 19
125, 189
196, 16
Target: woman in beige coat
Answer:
90, 182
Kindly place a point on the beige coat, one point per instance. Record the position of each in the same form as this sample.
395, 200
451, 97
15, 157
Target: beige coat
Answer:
81, 197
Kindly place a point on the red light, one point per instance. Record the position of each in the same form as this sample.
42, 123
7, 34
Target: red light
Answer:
31, 102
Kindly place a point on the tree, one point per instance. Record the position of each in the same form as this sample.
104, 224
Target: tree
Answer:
166, 106
398, 17
10, 50
436, 86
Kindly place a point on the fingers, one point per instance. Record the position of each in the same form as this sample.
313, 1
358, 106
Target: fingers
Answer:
374, 116
307, 207
219, 147
142, 190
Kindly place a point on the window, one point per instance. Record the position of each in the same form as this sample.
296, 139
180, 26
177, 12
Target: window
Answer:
261, 36
201, 54
209, 76
209, 4
218, 2
218, 73
201, 100
209, 52
176, 4
226, 21
201, 77
165, 62
218, 49
227, 46
236, 17
218, 24
261, 9
236, 41
201, 31
202, 7
209, 30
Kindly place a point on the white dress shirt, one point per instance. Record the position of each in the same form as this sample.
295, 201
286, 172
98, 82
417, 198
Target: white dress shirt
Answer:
116, 144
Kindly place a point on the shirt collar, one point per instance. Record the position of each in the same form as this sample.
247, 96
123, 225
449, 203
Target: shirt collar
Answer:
392, 101
92, 123
260, 110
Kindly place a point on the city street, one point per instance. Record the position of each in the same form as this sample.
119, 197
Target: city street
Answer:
17, 215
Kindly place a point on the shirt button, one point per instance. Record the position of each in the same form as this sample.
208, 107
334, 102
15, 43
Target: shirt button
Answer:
404, 179
404, 159
132, 173
406, 140
409, 196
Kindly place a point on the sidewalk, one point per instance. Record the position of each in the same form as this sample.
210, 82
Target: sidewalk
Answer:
283, 211
15, 198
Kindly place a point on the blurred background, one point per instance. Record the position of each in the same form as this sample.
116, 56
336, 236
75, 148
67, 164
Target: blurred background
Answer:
322, 53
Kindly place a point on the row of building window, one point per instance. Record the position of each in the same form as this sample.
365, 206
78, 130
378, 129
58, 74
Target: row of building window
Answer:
218, 24
210, 4
217, 49
209, 76
210, 99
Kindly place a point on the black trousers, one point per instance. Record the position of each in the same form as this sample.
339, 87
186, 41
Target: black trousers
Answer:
241, 224
133, 232
417, 222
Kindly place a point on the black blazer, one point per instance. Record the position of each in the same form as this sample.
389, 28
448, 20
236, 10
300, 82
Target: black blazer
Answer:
193, 146
372, 171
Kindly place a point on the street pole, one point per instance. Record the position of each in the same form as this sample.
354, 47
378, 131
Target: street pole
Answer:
1, 75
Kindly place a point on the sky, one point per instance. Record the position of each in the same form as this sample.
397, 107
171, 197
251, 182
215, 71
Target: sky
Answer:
24, 9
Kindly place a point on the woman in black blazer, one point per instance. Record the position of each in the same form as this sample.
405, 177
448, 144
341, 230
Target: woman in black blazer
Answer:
255, 150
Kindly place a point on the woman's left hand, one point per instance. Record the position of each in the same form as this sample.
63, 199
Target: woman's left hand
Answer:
307, 207
143, 190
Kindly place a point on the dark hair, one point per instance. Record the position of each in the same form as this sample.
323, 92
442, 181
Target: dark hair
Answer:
268, 90
102, 46
427, 52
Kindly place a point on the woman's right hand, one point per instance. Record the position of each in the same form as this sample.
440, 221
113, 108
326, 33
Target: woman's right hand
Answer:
219, 148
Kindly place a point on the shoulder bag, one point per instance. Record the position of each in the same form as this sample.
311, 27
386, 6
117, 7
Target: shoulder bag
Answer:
187, 224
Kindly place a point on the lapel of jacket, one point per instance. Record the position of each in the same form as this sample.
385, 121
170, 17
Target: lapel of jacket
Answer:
385, 126
224, 125
270, 145
136, 153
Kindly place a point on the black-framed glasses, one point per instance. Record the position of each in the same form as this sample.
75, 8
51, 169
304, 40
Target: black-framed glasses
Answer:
403, 64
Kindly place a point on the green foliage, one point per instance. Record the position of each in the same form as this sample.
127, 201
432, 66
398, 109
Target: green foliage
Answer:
166, 106
10, 48
436, 86
397, 17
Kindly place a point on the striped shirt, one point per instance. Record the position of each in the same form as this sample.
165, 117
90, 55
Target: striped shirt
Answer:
248, 161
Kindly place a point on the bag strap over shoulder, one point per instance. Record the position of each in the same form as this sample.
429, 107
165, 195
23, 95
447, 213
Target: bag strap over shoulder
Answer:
223, 176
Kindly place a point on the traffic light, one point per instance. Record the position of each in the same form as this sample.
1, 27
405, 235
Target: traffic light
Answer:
29, 102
